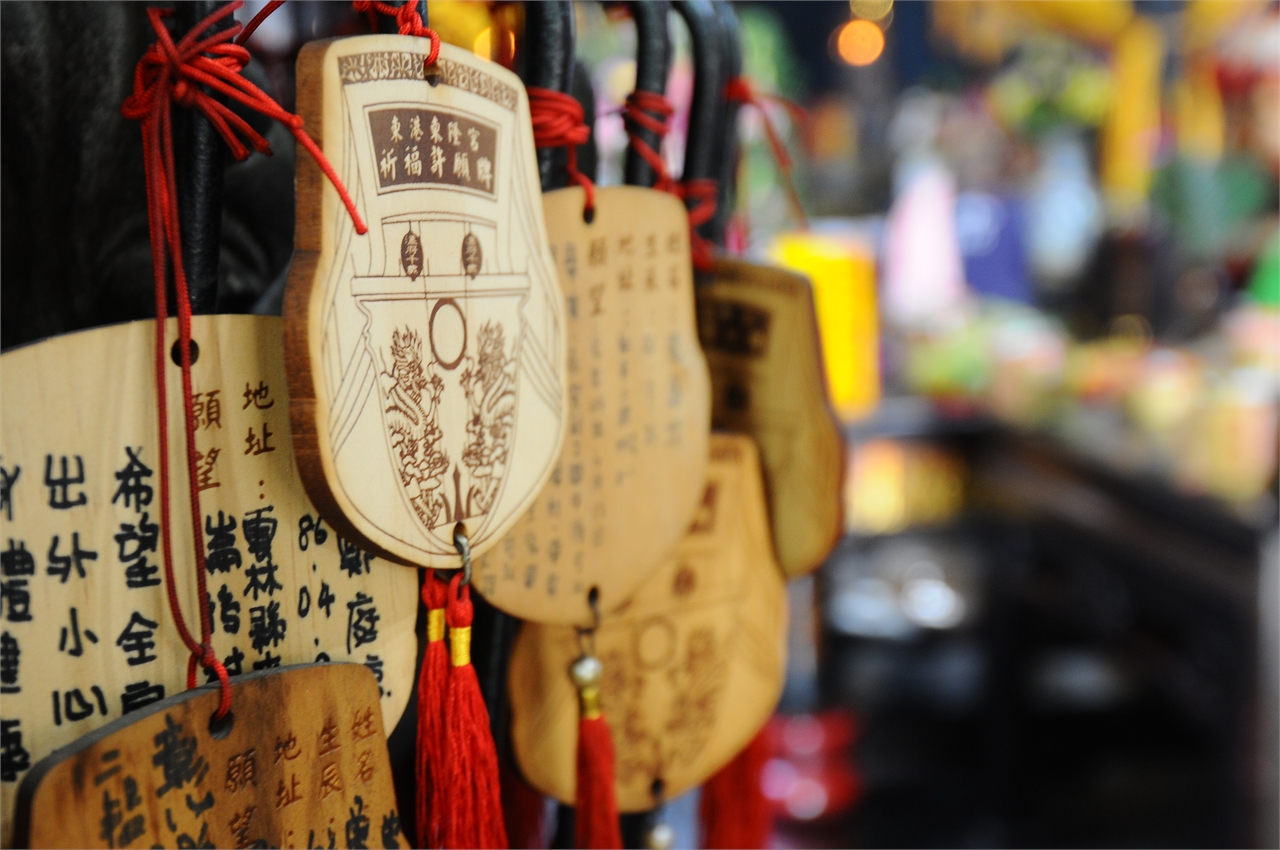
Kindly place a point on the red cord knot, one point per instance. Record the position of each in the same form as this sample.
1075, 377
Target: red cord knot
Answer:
558, 123
701, 194
171, 71
650, 111
408, 22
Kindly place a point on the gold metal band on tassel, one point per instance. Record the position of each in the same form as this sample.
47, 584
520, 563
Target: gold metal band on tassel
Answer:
589, 702
460, 646
435, 624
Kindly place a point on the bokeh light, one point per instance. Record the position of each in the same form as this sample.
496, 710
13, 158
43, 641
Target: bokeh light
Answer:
860, 43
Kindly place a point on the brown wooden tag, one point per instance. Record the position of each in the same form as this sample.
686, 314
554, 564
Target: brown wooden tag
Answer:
85, 630
631, 470
760, 335
693, 664
303, 759
426, 357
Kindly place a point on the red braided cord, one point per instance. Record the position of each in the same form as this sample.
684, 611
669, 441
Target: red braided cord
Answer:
408, 21
739, 90
252, 26
558, 123
174, 72
637, 113
703, 193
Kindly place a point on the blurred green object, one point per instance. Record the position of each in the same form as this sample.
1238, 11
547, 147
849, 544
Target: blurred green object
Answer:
1207, 201
1264, 285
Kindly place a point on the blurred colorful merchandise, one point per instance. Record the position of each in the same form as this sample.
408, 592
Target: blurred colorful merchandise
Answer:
893, 485
844, 294
1132, 129
923, 277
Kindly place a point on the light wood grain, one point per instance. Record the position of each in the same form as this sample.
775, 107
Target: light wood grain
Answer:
693, 664
631, 471
760, 335
304, 760
426, 357
102, 640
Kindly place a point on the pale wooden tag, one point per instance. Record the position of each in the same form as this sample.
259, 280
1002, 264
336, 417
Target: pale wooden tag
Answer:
304, 760
85, 629
631, 470
760, 335
426, 357
693, 664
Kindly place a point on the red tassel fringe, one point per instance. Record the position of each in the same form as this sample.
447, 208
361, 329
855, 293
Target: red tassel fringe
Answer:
432, 681
472, 800
596, 822
523, 808
735, 812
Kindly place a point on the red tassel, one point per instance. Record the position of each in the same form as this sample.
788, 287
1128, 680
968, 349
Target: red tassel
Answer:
596, 823
735, 812
472, 799
432, 681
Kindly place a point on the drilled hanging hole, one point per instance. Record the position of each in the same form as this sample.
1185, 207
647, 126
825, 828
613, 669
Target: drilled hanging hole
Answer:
589, 214
433, 76
175, 352
593, 596
656, 789
220, 728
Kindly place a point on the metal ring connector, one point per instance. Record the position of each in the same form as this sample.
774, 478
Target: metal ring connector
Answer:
463, 545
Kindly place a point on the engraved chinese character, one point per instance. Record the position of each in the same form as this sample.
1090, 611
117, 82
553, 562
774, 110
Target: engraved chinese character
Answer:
177, 758
8, 478
598, 252
328, 740
473, 136
357, 826
14, 757
287, 795
10, 656
362, 621
137, 638
77, 643
241, 771
205, 479
207, 409
484, 172
461, 166
133, 542
139, 694
61, 565
287, 748
364, 766
239, 825
415, 128
387, 165
395, 129
256, 445
222, 556
266, 626
437, 160
412, 162
435, 129
60, 497
330, 780
455, 133
257, 396
362, 724
132, 488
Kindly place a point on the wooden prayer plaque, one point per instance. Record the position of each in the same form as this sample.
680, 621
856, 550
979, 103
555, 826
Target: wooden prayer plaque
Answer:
86, 635
426, 357
760, 335
693, 663
632, 467
304, 760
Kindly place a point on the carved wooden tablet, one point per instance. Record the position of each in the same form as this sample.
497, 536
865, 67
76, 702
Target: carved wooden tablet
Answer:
304, 760
630, 473
693, 665
760, 336
426, 357
85, 630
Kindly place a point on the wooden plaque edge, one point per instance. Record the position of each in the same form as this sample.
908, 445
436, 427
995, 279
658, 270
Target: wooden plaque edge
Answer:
31, 782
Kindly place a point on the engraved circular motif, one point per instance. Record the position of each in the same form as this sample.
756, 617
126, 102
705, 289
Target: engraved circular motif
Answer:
655, 643
448, 334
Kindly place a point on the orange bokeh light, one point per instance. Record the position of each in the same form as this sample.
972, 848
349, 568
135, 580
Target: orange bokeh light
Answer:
860, 42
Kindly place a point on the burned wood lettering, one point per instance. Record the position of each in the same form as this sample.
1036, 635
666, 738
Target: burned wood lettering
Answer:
81, 579
693, 662
637, 415
163, 779
426, 357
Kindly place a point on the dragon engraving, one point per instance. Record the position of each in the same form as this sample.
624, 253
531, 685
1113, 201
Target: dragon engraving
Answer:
413, 398
489, 382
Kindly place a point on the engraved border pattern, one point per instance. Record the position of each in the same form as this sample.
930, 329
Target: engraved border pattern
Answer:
406, 65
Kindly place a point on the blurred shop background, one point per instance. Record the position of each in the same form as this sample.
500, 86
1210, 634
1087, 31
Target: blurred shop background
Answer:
1044, 243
